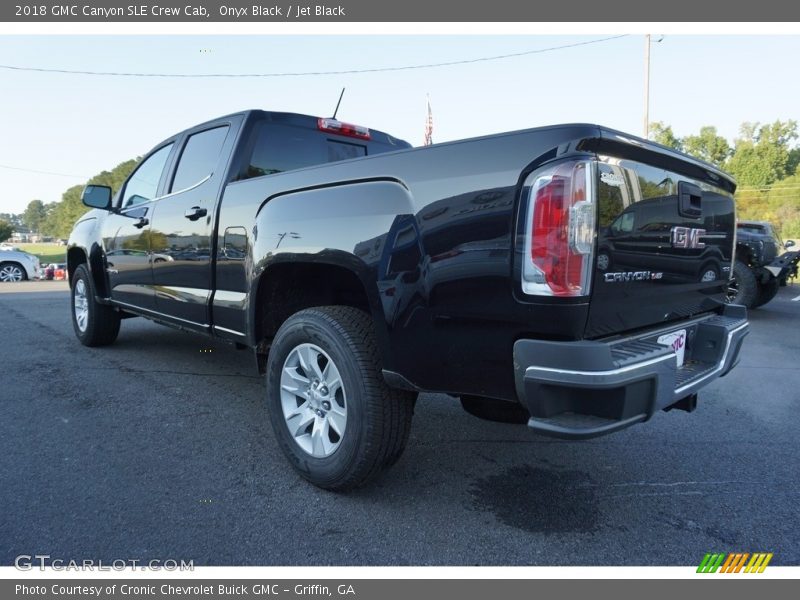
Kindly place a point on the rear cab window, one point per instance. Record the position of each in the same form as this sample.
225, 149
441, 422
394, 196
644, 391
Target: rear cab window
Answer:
278, 148
288, 142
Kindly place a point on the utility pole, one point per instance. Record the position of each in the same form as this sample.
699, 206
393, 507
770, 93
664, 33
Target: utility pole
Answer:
647, 43
646, 86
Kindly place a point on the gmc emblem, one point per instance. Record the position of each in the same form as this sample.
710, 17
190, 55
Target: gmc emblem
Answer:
687, 237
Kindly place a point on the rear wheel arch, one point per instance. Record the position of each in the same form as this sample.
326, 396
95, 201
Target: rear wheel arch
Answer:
285, 288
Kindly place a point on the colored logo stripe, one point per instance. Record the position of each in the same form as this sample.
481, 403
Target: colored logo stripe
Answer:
710, 563
733, 562
758, 563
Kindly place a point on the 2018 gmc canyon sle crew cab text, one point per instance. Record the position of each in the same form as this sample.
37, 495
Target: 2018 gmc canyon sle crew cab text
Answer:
570, 277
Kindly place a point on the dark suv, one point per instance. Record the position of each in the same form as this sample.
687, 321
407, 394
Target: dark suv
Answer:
760, 268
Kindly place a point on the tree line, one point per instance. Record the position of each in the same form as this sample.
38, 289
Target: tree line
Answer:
763, 158
56, 219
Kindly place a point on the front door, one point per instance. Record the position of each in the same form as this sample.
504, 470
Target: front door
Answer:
126, 233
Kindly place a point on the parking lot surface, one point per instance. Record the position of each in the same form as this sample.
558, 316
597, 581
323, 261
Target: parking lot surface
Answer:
159, 447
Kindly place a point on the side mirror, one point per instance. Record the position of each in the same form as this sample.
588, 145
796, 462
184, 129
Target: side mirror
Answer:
97, 196
789, 244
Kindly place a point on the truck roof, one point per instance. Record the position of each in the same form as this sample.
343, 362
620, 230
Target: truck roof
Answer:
306, 121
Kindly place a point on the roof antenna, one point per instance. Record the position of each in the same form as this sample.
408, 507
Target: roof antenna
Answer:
337, 104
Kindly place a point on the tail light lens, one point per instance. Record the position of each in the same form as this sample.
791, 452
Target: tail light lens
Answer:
560, 230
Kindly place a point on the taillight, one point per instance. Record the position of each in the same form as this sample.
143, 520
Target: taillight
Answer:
559, 236
339, 128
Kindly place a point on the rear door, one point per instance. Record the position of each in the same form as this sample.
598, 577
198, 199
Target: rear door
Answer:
664, 248
181, 239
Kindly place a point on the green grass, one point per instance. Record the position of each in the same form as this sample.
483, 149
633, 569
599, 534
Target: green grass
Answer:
47, 253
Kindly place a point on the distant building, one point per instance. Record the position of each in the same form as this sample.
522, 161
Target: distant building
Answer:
23, 235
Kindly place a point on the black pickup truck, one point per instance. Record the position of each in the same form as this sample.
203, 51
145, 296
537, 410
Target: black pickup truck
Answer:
762, 266
569, 277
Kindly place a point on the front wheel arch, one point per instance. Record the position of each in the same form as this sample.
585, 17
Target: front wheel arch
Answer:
95, 264
95, 324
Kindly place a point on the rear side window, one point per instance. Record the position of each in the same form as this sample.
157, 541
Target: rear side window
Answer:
142, 186
279, 148
199, 158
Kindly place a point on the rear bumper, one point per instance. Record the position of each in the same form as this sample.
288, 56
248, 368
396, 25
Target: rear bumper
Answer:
784, 265
579, 390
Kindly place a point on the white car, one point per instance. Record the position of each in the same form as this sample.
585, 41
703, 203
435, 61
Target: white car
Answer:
16, 265
7, 246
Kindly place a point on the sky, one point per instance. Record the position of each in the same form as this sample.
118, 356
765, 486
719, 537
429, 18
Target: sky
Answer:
79, 125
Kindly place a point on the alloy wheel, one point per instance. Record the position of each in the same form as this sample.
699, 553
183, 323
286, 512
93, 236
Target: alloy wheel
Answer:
11, 273
81, 305
313, 400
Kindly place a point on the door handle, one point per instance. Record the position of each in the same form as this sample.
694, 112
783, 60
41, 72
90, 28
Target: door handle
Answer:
690, 200
195, 213
141, 222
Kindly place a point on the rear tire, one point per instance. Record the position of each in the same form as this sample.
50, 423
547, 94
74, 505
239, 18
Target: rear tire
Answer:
743, 287
499, 411
336, 432
95, 324
767, 291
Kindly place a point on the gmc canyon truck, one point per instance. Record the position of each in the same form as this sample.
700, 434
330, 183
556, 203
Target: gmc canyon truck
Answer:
761, 267
570, 277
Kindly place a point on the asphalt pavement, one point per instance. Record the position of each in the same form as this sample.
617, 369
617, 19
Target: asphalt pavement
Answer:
159, 447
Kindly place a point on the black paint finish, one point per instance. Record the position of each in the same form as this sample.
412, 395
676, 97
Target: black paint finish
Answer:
433, 235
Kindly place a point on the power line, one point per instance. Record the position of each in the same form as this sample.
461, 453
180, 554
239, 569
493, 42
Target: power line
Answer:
43, 172
316, 73
767, 188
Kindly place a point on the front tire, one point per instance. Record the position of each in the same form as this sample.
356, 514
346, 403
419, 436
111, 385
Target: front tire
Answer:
743, 287
12, 272
95, 324
335, 418
767, 291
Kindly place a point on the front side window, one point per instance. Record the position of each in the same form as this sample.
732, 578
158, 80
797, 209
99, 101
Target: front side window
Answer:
199, 158
624, 224
143, 184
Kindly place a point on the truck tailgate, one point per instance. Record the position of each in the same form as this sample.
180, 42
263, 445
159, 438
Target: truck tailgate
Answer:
665, 243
